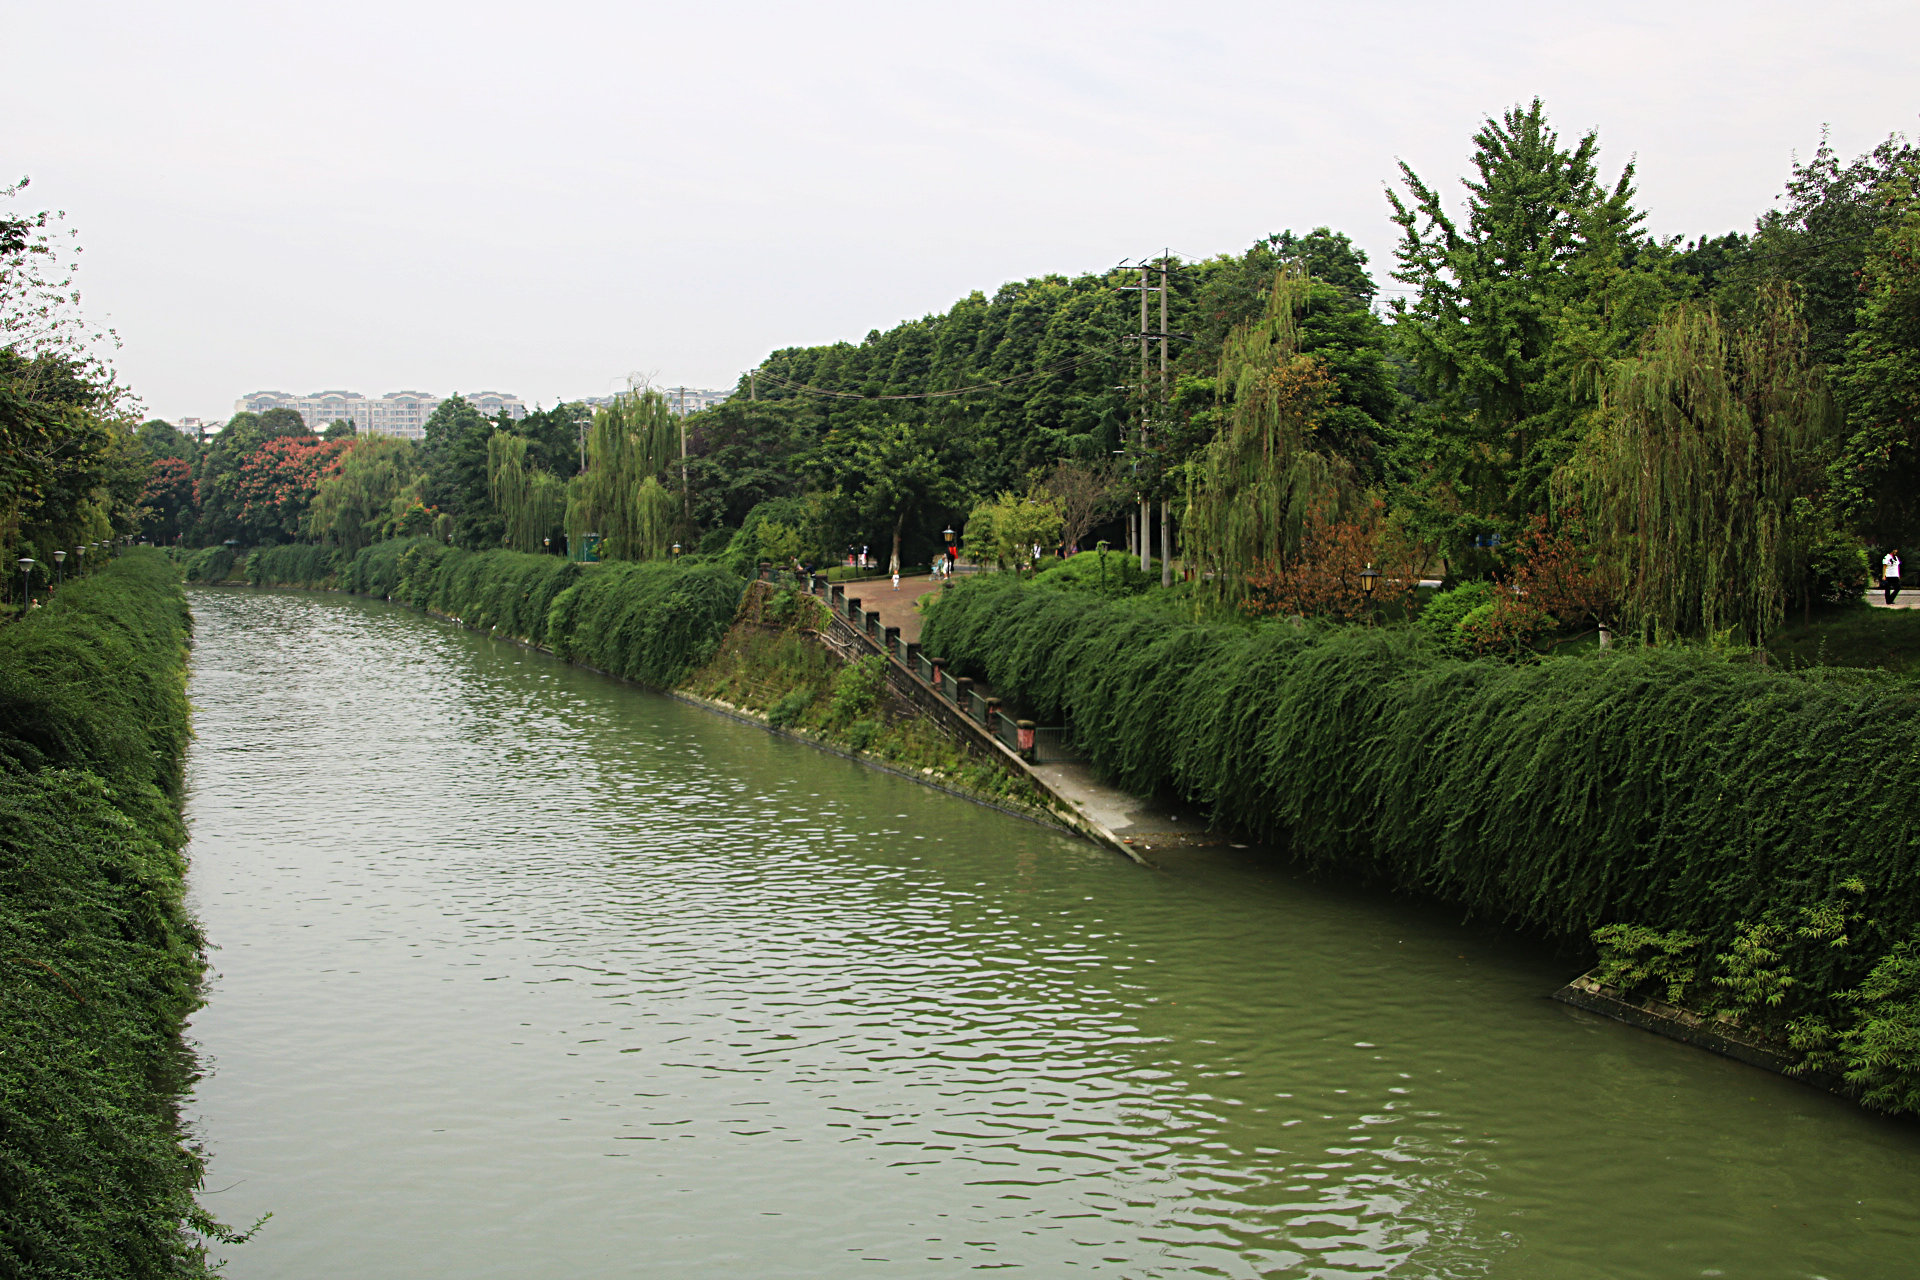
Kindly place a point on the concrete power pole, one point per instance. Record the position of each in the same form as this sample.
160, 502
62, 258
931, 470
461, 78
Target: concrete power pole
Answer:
1146, 506
1166, 339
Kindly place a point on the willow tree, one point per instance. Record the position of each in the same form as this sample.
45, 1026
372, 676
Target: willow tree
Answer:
354, 506
620, 496
1253, 491
1706, 439
532, 501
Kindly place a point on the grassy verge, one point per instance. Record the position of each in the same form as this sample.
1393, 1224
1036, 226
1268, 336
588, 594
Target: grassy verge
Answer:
1855, 636
795, 683
99, 962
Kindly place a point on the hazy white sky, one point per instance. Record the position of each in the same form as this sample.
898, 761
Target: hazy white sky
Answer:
541, 198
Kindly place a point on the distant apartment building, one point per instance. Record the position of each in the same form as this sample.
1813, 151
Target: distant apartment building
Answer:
680, 400
398, 413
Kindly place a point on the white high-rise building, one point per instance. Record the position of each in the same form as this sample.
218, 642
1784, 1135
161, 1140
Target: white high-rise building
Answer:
398, 413
680, 400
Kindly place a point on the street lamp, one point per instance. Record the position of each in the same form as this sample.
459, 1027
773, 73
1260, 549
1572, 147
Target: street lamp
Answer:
26, 581
59, 564
547, 543
676, 551
1368, 576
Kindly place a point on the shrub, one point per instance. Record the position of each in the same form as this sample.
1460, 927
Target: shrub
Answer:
210, 564
1108, 573
294, 564
1442, 615
857, 691
789, 708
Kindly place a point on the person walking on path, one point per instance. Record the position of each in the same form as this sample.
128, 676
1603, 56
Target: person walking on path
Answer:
896, 579
1890, 574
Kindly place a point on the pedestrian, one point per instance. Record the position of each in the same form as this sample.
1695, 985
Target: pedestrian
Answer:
896, 579
1890, 573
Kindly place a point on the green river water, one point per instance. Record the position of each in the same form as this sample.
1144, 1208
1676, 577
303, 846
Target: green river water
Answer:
522, 972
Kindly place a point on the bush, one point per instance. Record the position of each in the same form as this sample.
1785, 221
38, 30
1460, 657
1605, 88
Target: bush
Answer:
294, 564
789, 708
650, 623
1109, 573
1678, 790
1442, 616
210, 564
102, 963
857, 691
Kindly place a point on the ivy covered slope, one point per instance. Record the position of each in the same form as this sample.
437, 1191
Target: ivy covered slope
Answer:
651, 622
1736, 839
99, 962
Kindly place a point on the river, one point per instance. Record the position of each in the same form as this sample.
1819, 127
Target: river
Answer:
522, 972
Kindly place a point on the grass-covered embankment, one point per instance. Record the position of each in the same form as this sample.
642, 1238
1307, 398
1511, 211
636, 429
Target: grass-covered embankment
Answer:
1737, 839
99, 962
772, 666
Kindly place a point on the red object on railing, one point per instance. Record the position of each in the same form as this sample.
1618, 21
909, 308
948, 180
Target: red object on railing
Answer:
1025, 732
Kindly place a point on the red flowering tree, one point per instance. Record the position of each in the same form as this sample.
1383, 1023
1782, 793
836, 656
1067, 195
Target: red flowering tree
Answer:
277, 481
167, 499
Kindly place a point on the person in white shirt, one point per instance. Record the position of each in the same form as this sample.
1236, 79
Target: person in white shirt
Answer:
1890, 573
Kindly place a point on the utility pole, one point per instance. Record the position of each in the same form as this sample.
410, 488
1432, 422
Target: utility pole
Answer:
1166, 339
1146, 506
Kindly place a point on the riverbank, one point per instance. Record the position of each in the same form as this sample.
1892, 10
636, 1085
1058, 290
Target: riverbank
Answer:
687, 628
1727, 836
102, 963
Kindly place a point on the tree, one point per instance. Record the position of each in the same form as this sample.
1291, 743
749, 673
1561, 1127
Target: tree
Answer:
1085, 493
1875, 477
1819, 241
632, 443
1007, 529
167, 499
339, 429
1709, 437
276, 484
453, 455
532, 503
1519, 308
1254, 490
886, 476
162, 440
354, 506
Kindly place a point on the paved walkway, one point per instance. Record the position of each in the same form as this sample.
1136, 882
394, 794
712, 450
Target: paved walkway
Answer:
895, 607
1909, 598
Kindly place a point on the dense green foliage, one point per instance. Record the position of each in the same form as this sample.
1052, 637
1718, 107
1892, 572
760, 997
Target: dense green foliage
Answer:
293, 564
648, 622
99, 962
1670, 789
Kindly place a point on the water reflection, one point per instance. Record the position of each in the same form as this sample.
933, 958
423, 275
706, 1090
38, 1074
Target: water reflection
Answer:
526, 974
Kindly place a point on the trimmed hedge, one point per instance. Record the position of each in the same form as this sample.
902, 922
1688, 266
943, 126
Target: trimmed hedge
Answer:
99, 961
1752, 826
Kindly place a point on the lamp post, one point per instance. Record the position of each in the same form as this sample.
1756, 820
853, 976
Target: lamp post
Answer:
676, 551
547, 545
1368, 576
26, 582
59, 565
80, 563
